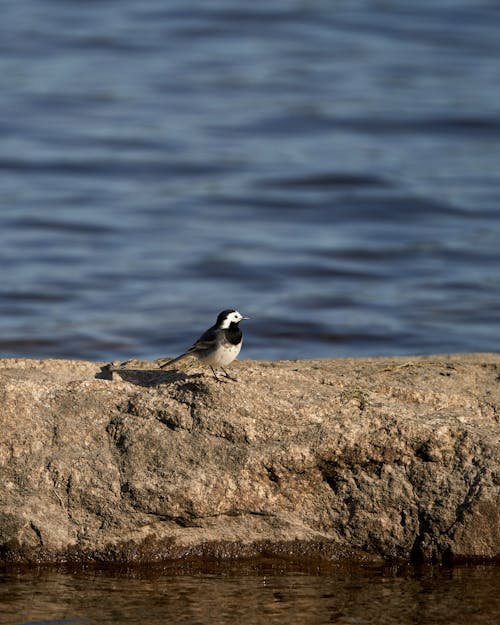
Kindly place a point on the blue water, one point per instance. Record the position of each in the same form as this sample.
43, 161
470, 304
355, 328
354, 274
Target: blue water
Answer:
331, 169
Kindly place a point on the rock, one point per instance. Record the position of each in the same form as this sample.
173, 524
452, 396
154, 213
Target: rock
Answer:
363, 459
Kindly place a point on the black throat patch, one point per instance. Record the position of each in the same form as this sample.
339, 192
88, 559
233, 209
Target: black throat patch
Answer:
233, 333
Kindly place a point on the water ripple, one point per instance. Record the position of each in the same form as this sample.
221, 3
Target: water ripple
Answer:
333, 174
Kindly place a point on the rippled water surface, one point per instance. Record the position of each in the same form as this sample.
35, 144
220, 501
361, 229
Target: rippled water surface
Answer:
331, 169
267, 593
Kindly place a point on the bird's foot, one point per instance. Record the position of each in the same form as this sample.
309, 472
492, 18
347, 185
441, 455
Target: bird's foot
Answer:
230, 377
226, 375
216, 377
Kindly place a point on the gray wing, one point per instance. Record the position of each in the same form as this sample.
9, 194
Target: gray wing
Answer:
207, 340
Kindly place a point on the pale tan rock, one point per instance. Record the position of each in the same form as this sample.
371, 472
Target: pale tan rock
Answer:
387, 457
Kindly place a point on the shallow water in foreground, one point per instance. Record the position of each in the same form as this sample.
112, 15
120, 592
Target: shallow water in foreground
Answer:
263, 592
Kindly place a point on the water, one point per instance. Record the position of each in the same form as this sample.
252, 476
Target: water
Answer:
268, 593
329, 168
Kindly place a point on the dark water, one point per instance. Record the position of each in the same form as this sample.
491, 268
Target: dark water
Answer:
331, 169
268, 593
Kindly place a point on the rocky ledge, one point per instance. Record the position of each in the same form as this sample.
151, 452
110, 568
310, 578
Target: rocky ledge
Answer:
341, 459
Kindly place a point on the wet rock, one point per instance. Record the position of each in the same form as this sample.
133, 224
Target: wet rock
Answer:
340, 459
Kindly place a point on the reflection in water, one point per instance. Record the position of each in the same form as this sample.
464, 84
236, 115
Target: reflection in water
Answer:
267, 592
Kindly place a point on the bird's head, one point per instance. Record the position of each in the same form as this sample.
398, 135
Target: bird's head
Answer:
227, 317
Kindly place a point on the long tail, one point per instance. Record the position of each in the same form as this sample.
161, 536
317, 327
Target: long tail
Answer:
171, 362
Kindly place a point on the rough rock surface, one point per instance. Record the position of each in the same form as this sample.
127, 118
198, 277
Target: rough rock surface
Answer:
387, 457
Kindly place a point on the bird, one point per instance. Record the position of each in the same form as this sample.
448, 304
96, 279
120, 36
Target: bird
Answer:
219, 345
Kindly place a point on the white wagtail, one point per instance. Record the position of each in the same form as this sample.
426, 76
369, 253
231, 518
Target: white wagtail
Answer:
219, 345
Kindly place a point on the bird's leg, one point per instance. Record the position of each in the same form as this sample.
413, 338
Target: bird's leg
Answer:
215, 374
229, 376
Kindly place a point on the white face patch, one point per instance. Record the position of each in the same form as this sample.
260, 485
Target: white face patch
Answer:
233, 317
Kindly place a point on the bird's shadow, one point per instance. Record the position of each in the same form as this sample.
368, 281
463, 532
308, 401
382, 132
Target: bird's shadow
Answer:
145, 377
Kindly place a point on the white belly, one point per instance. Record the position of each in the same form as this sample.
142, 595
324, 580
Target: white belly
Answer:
221, 357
